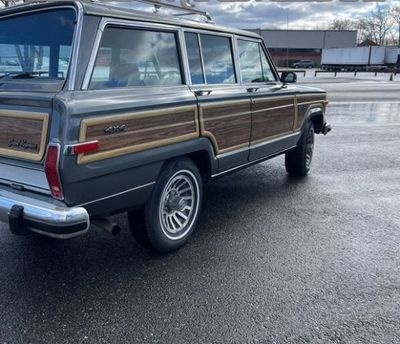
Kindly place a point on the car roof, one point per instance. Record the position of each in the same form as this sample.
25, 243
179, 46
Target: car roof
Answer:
110, 10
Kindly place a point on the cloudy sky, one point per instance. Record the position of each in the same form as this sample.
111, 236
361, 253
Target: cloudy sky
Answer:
280, 14
274, 14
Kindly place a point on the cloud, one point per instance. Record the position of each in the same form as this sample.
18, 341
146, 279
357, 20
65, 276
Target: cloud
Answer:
268, 14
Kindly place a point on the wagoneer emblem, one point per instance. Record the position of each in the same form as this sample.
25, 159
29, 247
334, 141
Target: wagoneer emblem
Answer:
113, 129
22, 144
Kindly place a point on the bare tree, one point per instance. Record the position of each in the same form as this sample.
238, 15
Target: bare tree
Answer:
395, 14
343, 24
377, 25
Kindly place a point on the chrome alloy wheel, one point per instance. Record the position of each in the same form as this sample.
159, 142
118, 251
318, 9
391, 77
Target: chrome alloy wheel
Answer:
309, 148
179, 204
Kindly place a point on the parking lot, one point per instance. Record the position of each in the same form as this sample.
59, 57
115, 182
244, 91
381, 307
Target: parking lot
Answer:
274, 260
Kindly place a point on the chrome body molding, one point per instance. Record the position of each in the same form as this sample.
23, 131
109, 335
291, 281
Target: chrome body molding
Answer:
251, 163
40, 215
118, 194
275, 139
281, 141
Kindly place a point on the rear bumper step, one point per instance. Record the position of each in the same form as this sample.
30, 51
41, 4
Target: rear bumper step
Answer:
24, 213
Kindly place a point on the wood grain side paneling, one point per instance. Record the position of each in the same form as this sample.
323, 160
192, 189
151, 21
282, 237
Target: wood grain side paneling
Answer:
142, 130
272, 117
305, 103
227, 124
23, 134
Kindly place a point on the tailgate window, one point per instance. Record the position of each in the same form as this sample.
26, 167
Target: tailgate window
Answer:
36, 46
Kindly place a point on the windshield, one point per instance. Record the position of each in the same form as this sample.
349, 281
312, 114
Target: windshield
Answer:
36, 46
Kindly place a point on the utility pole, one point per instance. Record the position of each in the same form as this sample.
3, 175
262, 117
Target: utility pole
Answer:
287, 37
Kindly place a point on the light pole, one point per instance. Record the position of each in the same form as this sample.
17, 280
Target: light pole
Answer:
287, 37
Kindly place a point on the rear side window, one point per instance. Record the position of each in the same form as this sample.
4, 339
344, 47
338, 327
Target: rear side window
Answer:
218, 60
134, 57
194, 58
254, 65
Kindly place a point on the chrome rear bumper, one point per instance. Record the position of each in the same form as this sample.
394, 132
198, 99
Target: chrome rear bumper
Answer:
44, 217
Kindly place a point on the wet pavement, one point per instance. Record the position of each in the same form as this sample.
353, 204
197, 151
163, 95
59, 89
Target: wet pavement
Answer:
274, 260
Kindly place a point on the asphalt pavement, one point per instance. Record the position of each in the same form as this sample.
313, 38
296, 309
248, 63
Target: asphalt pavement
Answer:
274, 259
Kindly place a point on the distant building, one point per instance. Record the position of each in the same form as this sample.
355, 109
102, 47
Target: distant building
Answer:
289, 46
368, 43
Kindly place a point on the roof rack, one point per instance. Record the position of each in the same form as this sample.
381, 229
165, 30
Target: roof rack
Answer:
184, 11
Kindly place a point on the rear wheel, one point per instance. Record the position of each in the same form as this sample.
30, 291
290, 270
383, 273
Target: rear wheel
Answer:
171, 214
298, 161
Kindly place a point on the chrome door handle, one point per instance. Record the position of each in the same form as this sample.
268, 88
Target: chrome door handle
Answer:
202, 93
252, 89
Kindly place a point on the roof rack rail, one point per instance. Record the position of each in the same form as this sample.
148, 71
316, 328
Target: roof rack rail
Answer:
185, 11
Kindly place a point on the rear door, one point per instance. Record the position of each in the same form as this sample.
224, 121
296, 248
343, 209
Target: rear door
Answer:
134, 99
273, 104
224, 105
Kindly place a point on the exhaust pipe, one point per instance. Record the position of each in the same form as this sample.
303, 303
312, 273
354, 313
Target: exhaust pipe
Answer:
108, 225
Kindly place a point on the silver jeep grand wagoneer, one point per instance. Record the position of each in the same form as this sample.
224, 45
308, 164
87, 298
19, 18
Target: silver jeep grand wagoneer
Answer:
105, 109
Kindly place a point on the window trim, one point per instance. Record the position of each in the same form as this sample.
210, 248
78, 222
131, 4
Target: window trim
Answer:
127, 24
233, 53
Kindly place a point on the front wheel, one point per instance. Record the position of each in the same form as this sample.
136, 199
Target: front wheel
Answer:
173, 210
298, 161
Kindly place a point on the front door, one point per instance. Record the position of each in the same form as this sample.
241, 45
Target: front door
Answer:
273, 104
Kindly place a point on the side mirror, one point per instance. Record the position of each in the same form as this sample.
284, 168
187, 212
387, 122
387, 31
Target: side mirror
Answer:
288, 77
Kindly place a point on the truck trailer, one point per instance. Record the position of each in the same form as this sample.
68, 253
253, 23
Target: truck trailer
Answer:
359, 58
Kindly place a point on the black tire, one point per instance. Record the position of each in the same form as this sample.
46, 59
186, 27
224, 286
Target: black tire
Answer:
171, 214
298, 161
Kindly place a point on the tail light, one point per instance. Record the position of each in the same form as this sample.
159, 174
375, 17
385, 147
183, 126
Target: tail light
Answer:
51, 169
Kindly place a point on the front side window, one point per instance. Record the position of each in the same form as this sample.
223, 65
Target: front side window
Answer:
254, 65
36, 46
135, 57
268, 74
250, 61
218, 60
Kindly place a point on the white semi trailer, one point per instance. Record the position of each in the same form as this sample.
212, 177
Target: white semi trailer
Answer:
392, 55
359, 58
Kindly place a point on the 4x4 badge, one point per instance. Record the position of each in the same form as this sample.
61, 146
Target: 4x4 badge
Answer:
115, 129
22, 144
